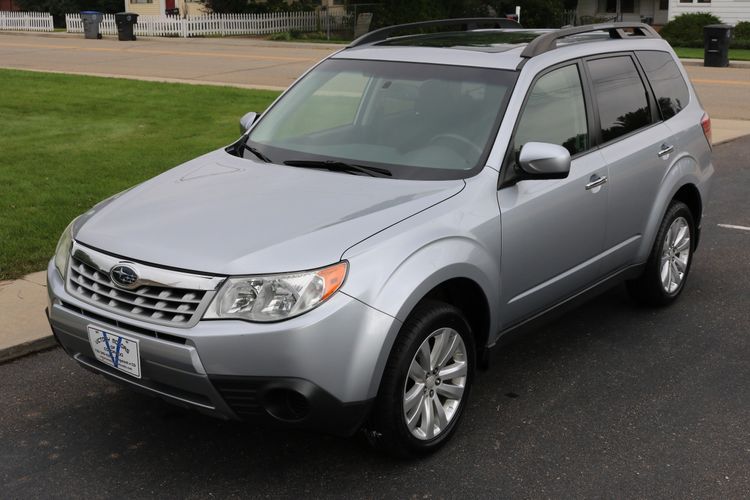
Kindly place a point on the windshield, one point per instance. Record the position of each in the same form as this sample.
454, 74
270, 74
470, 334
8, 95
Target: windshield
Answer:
418, 121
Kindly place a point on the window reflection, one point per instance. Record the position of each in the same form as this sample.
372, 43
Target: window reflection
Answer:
555, 112
621, 96
666, 80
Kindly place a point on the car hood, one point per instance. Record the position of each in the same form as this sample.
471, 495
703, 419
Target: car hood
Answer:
225, 215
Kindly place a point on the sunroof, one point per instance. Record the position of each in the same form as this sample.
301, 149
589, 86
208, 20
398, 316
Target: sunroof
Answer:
481, 40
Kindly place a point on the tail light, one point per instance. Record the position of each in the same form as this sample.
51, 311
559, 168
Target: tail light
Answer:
706, 124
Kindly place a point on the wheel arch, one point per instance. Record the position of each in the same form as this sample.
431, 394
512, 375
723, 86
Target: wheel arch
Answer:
467, 296
680, 183
690, 196
456, 271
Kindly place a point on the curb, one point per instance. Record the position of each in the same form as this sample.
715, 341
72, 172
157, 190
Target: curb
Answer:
33, 346
731, 139
699, 62
249, 39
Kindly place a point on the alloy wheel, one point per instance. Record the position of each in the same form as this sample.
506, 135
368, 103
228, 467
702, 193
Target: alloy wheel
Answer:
675, 255
435, 384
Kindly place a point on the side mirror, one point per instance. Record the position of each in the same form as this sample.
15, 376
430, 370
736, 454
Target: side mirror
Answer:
541, 160
247, 121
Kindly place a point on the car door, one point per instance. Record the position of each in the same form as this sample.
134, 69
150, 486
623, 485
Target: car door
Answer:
552, 230
636, 146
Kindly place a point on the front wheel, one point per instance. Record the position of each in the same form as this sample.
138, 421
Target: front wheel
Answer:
669, 263
426, 382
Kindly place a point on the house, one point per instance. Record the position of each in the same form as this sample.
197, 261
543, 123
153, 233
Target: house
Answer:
658, 12
185, 8
729, 11
161, 7
6, 5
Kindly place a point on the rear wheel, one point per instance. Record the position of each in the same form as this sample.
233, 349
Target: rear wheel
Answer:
669, 263
426, 382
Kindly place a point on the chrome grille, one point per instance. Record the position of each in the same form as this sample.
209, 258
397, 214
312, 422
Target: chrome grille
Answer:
154, 302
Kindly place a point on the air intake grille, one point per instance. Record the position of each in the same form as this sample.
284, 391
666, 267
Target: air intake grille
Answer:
241, 396
156, 304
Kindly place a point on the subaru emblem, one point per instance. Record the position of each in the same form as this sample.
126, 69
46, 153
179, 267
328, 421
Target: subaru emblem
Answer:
124, 276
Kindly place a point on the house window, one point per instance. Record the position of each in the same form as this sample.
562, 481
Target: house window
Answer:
141, 1
663, 4
626, 6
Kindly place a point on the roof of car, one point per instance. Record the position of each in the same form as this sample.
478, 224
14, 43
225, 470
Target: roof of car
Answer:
503, 48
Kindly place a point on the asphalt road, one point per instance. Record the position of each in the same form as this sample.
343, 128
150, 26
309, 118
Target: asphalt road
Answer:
247, 62
611, 400
724, 92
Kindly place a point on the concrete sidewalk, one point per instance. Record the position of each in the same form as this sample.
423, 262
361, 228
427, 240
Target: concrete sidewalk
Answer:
23, 324
24, 328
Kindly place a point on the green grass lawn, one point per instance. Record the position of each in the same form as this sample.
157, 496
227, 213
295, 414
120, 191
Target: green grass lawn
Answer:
67, 142
693, 53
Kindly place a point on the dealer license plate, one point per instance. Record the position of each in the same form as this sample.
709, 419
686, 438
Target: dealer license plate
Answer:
117, 351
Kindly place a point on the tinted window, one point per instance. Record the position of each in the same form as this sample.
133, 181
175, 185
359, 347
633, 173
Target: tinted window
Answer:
621, 96
555, 112
666, 81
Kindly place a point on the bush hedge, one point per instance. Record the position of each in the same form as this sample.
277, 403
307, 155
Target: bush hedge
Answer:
686, 30
741, 35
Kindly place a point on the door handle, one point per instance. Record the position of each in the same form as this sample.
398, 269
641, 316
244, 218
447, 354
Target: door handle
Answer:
665, 150
596, 181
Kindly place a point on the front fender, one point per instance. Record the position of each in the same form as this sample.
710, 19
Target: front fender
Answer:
395, 269
397, 292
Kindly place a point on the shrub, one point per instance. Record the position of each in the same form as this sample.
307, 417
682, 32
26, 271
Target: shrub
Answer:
742, 30
686, 30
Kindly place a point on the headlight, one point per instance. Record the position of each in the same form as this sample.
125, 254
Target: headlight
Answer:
62, 253
277, 296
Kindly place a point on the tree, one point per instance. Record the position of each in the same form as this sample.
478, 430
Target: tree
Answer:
250, 6
58, 8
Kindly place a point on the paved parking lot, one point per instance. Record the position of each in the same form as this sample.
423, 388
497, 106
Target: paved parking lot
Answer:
611, 400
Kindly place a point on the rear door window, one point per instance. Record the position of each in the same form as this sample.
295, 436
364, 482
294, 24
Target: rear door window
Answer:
620, 95
666, 81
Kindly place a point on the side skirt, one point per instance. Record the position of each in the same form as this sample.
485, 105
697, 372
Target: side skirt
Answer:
544, 317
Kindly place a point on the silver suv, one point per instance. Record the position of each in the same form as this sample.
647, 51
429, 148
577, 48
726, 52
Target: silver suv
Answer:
402, 208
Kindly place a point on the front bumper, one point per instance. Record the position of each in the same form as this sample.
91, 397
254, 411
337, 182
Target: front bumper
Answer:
320, 370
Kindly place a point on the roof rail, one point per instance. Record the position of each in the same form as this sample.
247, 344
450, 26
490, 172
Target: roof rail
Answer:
548, 41
467, 24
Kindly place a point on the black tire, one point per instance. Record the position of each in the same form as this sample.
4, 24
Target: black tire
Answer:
648, 288
387, 429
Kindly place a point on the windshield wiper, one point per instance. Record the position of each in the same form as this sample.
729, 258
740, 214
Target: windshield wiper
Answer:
340, 166
256, 152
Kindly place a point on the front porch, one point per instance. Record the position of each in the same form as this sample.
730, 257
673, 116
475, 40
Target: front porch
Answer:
653, 12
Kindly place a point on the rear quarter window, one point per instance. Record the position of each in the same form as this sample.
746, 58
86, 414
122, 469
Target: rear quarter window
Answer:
666, 80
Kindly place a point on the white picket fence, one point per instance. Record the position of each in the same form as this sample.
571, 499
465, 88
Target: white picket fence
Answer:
25, 21
221, 24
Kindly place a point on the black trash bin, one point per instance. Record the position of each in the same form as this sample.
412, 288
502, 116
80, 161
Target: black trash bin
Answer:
716, 38
91, 20
125, 22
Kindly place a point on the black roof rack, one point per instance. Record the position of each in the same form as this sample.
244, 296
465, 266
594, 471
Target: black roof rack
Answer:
467, 24
548, 41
